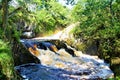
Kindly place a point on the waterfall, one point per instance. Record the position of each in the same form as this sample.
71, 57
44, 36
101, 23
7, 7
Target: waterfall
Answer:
61, 65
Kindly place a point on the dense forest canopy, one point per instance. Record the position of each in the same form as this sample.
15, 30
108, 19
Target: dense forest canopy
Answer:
99, 22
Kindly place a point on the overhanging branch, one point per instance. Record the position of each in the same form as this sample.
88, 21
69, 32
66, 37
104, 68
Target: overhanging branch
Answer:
13, 12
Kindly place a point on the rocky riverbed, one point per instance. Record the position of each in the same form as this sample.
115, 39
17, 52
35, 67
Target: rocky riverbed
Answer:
63, 66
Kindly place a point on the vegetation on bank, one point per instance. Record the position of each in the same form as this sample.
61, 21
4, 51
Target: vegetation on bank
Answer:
99, 24
41, 16
6, 62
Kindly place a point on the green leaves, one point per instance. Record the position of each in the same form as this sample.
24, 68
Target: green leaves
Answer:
99, 23
50, 17
6, 61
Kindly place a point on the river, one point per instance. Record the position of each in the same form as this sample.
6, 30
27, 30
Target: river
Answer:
62, 65
61, 61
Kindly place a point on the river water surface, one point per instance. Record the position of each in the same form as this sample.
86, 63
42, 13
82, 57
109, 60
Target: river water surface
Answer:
63, 66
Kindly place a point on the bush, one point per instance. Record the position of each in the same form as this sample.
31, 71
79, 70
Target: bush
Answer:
6, 61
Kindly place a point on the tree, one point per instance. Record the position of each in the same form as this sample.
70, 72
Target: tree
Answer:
99, 23
5, 14
51, 17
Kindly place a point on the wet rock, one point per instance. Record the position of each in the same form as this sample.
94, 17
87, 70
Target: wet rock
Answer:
23, 56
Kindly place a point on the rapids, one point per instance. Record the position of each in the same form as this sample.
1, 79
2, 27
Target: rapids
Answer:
61, 65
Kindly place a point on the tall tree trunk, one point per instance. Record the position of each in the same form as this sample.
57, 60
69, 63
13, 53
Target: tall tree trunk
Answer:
111, 12
5, 14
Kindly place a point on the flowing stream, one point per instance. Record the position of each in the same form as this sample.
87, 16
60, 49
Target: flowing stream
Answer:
62, 65
61, 62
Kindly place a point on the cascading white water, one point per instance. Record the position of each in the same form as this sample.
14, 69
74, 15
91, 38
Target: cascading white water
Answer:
63, 66
91, 64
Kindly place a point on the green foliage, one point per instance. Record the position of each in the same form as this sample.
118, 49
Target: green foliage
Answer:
117, 77
45, 15
45, 21
81, 47
77, 12
6, 61
99, 23
51, 17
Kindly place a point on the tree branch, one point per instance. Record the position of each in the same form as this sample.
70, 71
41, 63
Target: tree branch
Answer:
13, 12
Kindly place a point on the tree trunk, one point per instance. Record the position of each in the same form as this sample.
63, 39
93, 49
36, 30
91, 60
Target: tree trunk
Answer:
5, 14
111, 12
